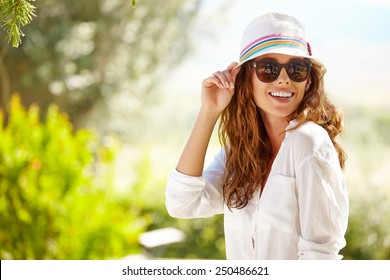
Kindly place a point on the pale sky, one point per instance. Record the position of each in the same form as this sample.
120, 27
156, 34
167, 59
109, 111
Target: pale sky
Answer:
351, 37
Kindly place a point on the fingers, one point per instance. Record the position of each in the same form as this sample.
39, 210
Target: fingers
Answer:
218, 79
234, 69
232, 66
225, 79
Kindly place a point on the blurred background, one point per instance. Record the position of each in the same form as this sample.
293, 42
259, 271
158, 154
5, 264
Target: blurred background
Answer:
99, 99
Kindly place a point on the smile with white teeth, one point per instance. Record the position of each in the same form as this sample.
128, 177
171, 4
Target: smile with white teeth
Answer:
281, 94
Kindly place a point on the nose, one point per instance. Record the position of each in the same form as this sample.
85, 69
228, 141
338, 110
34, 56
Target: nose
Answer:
283, 77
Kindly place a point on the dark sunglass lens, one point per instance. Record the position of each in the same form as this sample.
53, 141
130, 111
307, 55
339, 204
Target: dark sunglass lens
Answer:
267, 71
298, 70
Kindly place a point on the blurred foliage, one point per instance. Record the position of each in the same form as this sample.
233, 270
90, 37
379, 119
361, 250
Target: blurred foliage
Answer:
204, 238
367, 142
368, 235
58, 198
18, 13
55, 191
58, 195
367, 126
80, 53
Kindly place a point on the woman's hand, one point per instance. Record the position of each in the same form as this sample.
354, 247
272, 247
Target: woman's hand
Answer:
218, 89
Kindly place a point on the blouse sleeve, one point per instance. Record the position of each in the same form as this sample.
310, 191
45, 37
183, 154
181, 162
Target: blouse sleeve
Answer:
197, 197
323, 206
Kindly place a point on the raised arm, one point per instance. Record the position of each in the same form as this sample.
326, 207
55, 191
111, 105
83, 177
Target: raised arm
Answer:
217, 92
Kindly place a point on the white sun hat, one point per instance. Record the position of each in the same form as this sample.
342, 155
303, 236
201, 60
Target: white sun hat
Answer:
274, 33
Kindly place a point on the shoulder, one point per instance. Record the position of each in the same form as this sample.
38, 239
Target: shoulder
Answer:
310, 133
311, 139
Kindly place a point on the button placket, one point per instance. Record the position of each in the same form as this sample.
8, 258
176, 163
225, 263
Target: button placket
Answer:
256, 221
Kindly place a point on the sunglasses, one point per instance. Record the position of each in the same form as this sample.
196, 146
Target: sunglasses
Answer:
268, 70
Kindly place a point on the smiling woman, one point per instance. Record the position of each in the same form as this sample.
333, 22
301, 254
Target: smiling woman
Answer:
278, 177
283, 97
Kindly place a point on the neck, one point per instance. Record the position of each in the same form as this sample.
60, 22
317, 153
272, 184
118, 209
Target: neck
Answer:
276, 130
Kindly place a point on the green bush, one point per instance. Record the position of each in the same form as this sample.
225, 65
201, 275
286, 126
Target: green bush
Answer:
58, 198
55, 201
368, 235
367, 145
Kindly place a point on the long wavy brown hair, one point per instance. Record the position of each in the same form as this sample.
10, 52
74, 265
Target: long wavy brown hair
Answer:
248, 148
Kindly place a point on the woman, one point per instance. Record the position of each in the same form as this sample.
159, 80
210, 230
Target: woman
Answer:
278, 178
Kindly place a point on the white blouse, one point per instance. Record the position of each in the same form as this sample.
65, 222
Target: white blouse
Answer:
301, 214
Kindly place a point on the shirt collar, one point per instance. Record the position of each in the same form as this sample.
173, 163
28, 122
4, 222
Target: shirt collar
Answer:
291, 125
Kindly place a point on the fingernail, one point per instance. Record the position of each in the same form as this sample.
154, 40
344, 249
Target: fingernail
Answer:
231, 85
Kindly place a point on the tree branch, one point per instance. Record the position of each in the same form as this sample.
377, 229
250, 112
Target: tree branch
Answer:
4, 80
15, 14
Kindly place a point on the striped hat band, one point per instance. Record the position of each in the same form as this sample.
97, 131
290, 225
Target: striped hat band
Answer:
274, 41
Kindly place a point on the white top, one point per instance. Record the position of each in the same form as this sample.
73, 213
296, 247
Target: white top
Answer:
301, 214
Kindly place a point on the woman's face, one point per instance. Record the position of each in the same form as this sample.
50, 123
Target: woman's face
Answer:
280, 98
